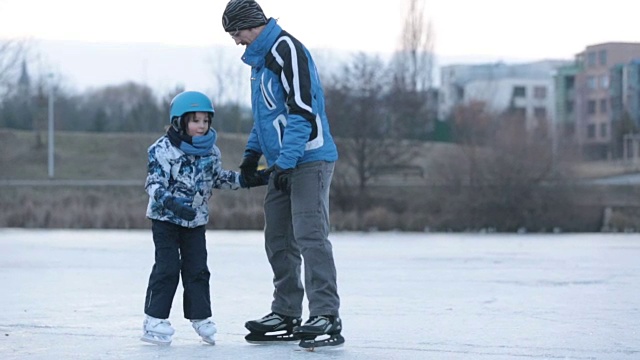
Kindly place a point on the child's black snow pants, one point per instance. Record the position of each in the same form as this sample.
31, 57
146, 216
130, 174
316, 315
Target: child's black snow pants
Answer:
179, 251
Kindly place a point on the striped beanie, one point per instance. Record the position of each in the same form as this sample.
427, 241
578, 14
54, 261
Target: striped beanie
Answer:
241, 15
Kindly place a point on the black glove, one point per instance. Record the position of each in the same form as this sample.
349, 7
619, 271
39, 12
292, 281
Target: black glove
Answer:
181, 207
281, 177
262, 178
249, 169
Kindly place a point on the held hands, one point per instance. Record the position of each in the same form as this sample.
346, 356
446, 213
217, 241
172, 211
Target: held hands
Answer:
281, 177
261, 178
181, 207
249, 175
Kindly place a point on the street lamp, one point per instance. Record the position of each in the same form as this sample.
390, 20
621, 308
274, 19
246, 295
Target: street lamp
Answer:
51, 144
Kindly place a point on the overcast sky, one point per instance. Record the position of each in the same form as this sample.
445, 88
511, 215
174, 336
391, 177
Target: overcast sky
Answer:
73, 38
501, 28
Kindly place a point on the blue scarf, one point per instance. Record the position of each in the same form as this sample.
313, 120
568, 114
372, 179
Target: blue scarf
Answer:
197, 145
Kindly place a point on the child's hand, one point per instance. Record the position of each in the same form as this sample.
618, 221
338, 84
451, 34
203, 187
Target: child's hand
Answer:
263, 175
249, 169
260, 178
181, 207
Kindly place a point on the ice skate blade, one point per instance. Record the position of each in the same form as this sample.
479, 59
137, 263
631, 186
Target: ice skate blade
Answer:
272, 342
264, 339
322, 348
208, 340
331, 343
155, 340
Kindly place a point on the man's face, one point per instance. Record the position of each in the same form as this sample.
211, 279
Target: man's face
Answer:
243, 37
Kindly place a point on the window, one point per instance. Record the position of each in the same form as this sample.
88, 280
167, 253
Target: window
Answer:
603, 106
602, 57
540, 112
591, 107
569, 106
459, 92
540, 92
519, 112
603, 130
591, 82
519, 91
604, 82
591, 131
591, 59
570, 83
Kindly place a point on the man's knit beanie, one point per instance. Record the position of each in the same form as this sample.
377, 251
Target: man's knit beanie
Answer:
241, 15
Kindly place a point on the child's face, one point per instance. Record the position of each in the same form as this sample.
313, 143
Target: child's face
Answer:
198, 124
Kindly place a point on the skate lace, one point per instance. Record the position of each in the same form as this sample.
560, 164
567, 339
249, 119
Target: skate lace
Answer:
205, 327
201, 323
160, 326
272, 316
318, 321
206, 322
158, 322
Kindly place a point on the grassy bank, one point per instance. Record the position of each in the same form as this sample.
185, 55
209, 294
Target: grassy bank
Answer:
114, 207
102, 156
414, 204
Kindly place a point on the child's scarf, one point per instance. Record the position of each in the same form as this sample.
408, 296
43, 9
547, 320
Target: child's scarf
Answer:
197, 145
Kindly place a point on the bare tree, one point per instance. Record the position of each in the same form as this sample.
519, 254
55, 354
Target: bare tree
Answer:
165, 101
415, 58
12, 53
412, 100
502, 176
126, 107
231, 86
360, 118
230, 77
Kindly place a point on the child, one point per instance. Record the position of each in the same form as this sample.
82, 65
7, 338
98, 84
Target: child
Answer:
184, 167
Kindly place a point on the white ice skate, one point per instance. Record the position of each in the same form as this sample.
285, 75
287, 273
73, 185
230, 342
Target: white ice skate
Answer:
206, 329
156, 331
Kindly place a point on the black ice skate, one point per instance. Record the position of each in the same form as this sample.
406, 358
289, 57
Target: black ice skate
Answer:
272, 328
320, 331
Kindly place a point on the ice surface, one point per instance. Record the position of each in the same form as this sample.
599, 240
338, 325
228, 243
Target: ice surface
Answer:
76, 294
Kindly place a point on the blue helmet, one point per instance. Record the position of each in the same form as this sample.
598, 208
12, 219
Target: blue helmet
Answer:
188, 101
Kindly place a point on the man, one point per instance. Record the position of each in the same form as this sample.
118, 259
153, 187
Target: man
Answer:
292, 131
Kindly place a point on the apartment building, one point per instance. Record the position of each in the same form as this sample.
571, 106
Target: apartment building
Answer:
592, 95
526, 89
529, 99
565, 97
625, 93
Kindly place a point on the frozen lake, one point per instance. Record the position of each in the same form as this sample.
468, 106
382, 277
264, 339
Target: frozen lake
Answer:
79, 295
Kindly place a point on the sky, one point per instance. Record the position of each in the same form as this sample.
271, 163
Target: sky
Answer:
512, 29
464, 31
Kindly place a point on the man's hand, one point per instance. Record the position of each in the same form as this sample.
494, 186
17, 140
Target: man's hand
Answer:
281, 177
181, 207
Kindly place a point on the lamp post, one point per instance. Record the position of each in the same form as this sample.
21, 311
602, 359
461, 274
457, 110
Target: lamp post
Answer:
51, 128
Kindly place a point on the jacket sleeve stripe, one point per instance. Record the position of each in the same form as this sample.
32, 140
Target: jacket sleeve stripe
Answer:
296, 80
